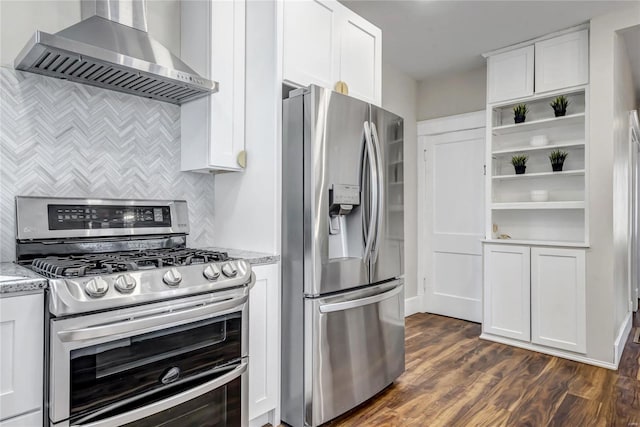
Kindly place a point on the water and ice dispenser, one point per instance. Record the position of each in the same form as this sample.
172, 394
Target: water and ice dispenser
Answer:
345, 221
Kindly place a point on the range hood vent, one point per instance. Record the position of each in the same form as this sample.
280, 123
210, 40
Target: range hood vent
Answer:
111, 49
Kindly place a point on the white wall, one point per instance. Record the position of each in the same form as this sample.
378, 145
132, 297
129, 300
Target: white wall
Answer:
605, 287
20, 18
452, 93
253, 196
399, 96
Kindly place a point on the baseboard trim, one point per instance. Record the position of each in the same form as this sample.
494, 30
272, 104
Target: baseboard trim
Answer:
550, 351
621, 339
412, 305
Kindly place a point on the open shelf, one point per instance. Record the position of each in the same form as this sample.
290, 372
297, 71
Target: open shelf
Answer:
396, 208
539, 205
541, 174
539, 124
396, 183
397, 162
530, 148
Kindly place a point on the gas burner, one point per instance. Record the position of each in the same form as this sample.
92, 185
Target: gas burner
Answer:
108, 263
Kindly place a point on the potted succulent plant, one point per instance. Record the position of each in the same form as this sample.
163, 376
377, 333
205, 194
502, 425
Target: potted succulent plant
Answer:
557, 159
559, 105
519, 163
520, 113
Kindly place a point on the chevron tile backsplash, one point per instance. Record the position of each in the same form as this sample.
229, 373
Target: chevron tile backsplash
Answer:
59, 138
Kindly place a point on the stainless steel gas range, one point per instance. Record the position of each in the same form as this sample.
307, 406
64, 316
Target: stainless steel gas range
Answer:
141, 330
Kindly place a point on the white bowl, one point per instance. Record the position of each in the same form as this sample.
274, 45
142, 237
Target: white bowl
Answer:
539, 195
539, 140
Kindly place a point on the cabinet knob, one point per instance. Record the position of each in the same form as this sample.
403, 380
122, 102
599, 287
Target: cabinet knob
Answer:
341, 87
242, 159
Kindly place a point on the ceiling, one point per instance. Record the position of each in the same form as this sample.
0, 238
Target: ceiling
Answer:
428, 38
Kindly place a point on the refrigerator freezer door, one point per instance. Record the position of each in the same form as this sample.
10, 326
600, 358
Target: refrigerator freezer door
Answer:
334, 145
355, 348
387, 260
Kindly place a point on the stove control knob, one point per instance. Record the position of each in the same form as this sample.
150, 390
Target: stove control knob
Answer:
125, 283
212, 272
172, 277
229, 269
96, 287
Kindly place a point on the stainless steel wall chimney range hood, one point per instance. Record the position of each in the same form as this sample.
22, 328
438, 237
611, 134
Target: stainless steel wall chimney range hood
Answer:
110, 48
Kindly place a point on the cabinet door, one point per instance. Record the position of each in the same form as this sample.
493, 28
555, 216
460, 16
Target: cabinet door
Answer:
558, 312
213, 43
360, 57
21, 354
264, 343
507, 291
562, 62
510, 74
310, 53
32, 419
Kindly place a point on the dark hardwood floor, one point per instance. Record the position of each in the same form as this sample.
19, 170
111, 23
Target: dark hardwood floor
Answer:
453, 378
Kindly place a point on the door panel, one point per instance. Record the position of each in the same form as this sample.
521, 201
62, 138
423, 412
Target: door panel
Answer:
558, 308
388, 256
357, 346
454, 216
333, 150
507, 296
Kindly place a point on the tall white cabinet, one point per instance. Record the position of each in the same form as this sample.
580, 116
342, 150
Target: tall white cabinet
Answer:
537, 222
325, 43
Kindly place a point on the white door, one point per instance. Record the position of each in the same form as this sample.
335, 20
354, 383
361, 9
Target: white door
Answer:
634, 204
507, 295
558, 298
454, 223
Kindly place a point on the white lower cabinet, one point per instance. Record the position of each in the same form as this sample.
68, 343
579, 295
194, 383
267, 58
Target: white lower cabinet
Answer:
558, 307
21, 357
264, 347
32, 419
535, 295
507, 299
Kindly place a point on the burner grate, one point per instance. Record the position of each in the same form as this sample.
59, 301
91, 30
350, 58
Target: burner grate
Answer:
96, 264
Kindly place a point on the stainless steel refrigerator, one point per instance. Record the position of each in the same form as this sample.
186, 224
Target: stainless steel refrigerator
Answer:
342, 254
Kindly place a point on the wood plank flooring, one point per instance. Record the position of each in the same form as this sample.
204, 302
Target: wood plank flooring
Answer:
453, 378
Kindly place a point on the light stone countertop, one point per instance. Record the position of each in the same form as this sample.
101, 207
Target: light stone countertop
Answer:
15, 278
254, 258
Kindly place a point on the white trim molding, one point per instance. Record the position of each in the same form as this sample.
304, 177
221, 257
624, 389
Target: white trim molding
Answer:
413, 305
474, 120
621, 339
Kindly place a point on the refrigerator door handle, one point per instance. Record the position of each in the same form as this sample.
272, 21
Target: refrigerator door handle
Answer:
346, 305
374, 192
380, 192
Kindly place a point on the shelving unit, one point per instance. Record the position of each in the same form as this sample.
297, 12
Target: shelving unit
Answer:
561, 219
395, 183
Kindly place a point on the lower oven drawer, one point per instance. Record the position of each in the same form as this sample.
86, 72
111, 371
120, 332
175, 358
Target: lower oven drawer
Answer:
221, 402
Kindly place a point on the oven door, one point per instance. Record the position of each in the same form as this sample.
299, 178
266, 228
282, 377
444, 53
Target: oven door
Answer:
182, 360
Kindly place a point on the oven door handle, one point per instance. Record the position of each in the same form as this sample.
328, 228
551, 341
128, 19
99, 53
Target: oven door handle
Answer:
150, 322
170, 402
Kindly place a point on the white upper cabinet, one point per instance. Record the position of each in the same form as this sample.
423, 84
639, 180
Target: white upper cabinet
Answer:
310, 54
360, 53
562, 61
510, 74
550, 64
213, 43
325, 43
